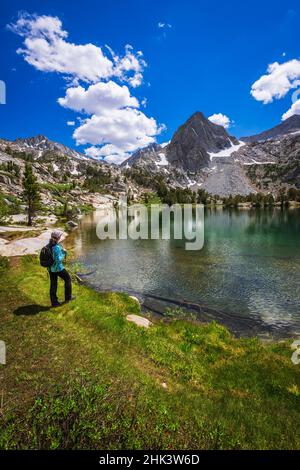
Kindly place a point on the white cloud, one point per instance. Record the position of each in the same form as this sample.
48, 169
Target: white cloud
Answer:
114, 123
94, 152
110, 153
46, 48
116, 159
98, 98
129, 67
221, 120
114, 126
163, 25
127, 129
277, 82
294, 109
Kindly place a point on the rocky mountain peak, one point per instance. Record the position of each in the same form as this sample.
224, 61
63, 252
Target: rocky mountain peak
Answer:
194, 140
35, 141
40, 143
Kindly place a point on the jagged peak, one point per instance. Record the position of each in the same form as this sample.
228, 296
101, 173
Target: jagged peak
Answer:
197, 115
36, 138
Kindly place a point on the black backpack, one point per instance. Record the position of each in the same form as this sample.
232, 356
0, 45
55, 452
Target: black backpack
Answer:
46, 257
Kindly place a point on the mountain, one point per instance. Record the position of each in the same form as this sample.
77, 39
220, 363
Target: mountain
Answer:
203, 155
194, 140
200, 155
289, 126
273, 165
148, 155
40, 143
63, 173
189, 148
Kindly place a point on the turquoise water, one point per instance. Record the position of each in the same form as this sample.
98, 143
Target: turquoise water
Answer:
247, 276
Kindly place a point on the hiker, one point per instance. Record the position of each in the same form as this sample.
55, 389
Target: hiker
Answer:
57, 269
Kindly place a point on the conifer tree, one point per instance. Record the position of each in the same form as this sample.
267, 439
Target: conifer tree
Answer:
31, 193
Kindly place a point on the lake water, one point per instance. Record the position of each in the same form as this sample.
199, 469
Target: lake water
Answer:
247, 276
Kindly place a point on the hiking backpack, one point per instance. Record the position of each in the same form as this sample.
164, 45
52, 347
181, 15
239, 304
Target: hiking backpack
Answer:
46, 257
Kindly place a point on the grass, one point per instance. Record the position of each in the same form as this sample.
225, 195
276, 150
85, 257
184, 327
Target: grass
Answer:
57, 188
81, 376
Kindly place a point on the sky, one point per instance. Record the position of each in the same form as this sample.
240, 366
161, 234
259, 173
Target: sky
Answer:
108, 78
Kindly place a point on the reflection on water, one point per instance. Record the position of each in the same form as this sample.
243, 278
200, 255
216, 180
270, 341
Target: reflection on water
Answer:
247, 275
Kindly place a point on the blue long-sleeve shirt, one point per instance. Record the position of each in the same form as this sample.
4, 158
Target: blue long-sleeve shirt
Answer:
58, 256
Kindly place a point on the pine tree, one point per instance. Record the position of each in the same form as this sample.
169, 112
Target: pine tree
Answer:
31, 193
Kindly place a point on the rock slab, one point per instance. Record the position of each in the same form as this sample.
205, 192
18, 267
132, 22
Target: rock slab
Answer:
139, 321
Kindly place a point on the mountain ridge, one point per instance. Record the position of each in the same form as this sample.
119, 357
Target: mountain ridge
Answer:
200, 154
290, 125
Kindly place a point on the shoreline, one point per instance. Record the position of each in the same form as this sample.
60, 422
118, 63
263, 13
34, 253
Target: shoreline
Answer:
200, 314
25, 245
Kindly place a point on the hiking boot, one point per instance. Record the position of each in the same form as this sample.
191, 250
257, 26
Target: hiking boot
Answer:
70, 300
58, 304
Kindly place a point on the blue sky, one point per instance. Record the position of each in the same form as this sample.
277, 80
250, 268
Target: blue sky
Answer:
205, 57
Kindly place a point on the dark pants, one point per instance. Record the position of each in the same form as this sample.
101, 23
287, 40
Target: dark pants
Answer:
53, 286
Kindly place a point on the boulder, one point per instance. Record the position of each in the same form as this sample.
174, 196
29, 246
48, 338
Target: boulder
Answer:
294, 204
134, 298
71, 224
139, 321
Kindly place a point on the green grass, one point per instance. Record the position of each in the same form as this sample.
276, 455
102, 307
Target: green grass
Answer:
81, 376
57, 188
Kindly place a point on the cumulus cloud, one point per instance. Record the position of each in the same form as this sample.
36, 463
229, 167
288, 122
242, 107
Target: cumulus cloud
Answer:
115, 123
47, 49
110, 153
221, 120
278, 81
116, 159
294, 109
127, 129
98, 98
115, 126
94, 152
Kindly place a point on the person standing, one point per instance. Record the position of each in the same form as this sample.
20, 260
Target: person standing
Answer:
57, 270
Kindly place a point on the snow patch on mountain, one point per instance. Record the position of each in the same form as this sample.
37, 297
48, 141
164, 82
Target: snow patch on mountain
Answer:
163, 161
254, 162
226, 152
